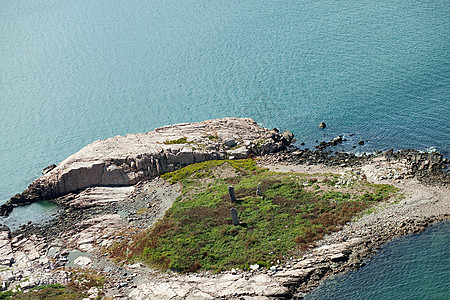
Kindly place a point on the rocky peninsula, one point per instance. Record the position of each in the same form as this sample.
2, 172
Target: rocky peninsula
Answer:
126, 160
110, 191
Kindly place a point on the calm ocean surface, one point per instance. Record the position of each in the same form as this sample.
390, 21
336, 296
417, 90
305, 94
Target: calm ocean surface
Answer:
411, 267
72, 72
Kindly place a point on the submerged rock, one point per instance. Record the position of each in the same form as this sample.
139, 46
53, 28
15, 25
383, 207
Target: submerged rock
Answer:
48, 169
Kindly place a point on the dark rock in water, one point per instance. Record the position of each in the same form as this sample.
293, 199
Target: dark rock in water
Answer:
303, 144
48, 169
6, 209
322, 125
287, 137
336, 140
361, 143
5, 228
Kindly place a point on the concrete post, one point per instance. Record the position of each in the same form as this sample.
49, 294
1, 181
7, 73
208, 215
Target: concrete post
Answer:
232, 195
234, 216
258, 190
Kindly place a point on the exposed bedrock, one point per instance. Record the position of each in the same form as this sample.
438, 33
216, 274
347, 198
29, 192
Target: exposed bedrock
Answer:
125, 160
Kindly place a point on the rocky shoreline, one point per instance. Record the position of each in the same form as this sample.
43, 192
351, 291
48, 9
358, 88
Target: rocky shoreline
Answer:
94, 218
421, 206
427, 167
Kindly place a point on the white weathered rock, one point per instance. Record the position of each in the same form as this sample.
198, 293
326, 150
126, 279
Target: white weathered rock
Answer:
295, 273
90, 231
6, 253
82, 261
239, 153
93, 292
227, 286
198, 295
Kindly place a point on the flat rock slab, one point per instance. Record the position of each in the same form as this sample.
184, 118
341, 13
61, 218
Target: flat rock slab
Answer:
221, 286
100, 196
90, 232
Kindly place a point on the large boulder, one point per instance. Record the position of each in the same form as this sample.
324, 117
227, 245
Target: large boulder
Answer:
241, 152
288, 137
125, 160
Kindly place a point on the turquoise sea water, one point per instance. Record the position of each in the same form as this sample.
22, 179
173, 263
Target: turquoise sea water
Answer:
72, 72
410, 267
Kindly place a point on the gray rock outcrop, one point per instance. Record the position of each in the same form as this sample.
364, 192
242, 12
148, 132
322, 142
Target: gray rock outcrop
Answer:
125, 160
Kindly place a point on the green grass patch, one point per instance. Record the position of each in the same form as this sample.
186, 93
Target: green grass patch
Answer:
197, 232
213, 137
50, 292
182, 140
204, 169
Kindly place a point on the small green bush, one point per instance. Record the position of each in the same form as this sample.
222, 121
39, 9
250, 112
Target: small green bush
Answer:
182, 140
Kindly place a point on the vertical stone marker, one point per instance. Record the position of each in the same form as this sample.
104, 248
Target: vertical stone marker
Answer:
232, 195
234, 216
258, 190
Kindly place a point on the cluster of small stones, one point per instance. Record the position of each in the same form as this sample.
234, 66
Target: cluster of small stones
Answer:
24, 263
428, 167
39, 254
122, 161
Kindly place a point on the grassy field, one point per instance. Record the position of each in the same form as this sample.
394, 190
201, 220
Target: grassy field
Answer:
294, 211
